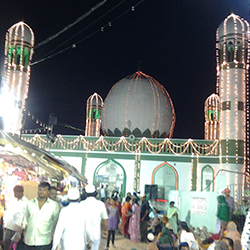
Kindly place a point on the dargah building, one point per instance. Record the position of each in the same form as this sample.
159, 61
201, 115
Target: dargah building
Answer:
129, 145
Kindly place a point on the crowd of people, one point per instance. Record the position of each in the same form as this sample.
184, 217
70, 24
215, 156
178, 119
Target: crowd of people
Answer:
43, 223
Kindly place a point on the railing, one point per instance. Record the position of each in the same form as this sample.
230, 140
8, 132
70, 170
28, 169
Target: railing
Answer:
123, 144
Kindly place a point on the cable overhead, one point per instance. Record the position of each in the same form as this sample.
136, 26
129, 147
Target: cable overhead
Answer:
79, 32
85, 38
71, 25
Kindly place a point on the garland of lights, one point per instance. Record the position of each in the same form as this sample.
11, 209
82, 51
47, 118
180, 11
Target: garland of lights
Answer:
101, 143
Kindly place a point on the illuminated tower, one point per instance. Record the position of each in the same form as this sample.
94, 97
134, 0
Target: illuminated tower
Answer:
212, 107
232, 85
93, 115
15, 82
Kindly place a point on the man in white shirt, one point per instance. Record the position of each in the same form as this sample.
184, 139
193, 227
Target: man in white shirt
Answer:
13, 216
40, 218
70, 228
94, 211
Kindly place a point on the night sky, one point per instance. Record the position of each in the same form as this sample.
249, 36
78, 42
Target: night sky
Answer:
172, 41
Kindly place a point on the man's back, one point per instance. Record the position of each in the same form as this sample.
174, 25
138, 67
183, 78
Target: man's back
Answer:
70, 229
94, 211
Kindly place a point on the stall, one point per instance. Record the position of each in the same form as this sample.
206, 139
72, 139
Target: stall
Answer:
25, 164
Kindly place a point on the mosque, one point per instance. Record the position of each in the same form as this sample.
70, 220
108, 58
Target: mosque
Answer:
128, 143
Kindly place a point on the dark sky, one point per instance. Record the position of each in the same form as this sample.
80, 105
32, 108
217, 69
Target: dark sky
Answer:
172, 40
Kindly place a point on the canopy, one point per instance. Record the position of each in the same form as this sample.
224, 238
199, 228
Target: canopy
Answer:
21, 153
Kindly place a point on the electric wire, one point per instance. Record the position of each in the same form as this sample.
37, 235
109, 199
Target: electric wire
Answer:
85, 38
79, 32
71, 25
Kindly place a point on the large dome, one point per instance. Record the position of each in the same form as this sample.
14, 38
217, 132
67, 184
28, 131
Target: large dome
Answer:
138, 105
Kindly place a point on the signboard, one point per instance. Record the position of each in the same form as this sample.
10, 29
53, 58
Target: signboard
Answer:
198, 205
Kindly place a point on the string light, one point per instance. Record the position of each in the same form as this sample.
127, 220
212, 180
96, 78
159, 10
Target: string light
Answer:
18, 54
92, 144
232, 82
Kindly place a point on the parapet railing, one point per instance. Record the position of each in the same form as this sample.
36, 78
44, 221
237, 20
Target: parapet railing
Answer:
124, 144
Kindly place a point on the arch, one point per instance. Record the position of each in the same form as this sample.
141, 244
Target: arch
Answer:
165, 186
105, 163
18, 55
230, 51
26, 56
205, 182
239, 52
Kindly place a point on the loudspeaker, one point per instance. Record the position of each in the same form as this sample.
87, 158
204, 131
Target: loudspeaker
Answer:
151, 191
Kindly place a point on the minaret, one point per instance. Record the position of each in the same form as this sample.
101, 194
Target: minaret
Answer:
211, 110
15, 82
232, 85
93, 115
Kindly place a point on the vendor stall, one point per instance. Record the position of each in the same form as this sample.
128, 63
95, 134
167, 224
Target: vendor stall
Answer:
25, 164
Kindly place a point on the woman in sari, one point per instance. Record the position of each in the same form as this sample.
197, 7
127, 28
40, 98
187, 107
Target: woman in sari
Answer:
134, 222
165, 240
172, 216
126, 213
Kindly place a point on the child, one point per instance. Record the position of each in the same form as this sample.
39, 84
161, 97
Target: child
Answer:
184, 246
113, 220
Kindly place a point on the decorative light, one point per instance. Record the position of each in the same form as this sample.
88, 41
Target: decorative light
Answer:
18, 53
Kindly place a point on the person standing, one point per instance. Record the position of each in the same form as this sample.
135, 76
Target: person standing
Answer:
102, 193
68, 234
172, 214
126, 213
95, 212
134, 221
230, 201
223, 213
40, 218
113, 220
53, 196
13, 216
144, 217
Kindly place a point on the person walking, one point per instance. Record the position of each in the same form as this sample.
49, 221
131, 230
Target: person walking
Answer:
68, 234
134, 221
144, 218
113, 220
94, 212
13, 216
40, 218
53, 196
172, 214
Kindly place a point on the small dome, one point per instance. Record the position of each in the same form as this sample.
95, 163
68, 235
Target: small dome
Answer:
95, 100
212, 107
22, 32
138, 105
231, 25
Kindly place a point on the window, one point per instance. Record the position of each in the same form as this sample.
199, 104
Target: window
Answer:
239, 52
207, 177
18, 55
230, 52
26, 55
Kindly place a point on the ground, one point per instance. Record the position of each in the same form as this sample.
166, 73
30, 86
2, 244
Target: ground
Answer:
122, 243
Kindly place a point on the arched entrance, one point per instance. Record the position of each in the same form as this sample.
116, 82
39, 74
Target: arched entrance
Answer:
110, 173
166, 177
